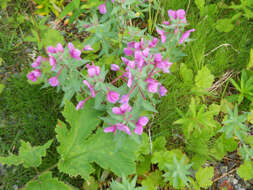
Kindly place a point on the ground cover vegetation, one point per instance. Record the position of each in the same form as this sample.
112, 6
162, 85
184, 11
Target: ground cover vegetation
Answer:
126, 94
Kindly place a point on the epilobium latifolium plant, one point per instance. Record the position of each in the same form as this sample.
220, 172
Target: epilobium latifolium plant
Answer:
123, 98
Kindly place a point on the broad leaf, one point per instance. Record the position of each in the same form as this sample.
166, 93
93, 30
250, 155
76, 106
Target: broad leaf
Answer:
28, 155
79, 147
245, 170
46, 182
204, 176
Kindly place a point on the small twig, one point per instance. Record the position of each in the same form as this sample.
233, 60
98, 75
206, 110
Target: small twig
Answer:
220, 47
224, 175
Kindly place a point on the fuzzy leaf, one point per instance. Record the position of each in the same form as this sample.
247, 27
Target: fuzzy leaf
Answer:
28, 155
46, 182
204, 176
78, 148
245, 170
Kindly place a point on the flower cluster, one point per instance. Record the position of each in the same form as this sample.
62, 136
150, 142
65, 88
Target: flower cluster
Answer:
142, 64
176, 17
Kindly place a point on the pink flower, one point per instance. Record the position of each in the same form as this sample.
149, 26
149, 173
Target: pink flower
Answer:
37, 62
125, 60
52, 62
93, 70
152, 85
118, 126
128, 51
74, 53
138, 129
80, 104
33, 75
179, 14
145, 52
131, 44
153, 43
88, 48
166, 22
37, 72
124, 99
158, 58
162, 34
122, 109
53, 81
165, 66
111, 129
130, 79
51, 49
124, 128
113, 97
185, 36
143, 120
59, 48
140, 124
139, 60
162, 91
92, 91
102, 8
114, 67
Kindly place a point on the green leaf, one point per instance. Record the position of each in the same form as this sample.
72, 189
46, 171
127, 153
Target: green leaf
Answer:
204, 176
46, 182
200, 4
250, 64
79, 148
204, 79
52, 37
67, 9
1, 88
245, 170
91, 185
153, 181
166, 157
224, 25
222, 146
28, 155
186, 73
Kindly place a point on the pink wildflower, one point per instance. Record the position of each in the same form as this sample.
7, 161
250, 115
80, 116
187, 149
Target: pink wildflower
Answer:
88, 48
102, 8
115, 67
91, 88
37, 62
112, 97
74, 53
185, 36
162, 34
53, 81
162, 91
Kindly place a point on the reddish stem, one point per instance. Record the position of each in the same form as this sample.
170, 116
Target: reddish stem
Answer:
59, 72
132, 90
150, 74
116, 79
142, 94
